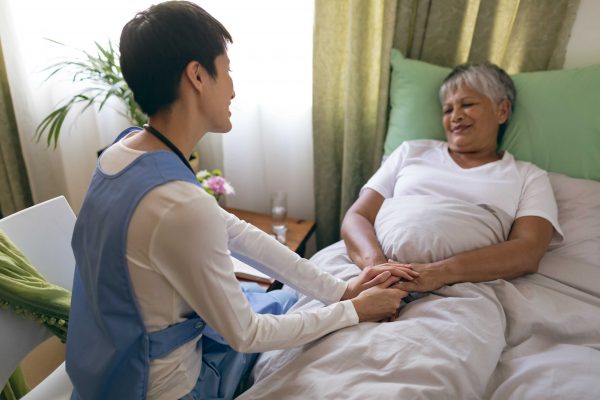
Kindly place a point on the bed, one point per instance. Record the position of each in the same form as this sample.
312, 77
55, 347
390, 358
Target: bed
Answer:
535, 337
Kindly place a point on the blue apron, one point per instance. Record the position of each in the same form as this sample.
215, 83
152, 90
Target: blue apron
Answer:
108, 348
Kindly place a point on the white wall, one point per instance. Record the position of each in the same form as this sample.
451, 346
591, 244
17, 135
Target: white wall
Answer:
584, 45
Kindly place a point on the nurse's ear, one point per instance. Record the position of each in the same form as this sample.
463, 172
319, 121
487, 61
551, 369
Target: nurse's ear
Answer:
195, 74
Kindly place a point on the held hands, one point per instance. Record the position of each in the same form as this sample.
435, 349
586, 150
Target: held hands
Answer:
372, 294
378, 303
383, 274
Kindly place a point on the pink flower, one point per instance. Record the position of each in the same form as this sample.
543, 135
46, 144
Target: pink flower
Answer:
214, 183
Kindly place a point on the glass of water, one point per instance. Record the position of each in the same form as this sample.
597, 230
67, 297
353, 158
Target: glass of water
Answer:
279, 215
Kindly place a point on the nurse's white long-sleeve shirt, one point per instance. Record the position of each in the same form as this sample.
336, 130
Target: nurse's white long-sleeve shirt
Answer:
178, 256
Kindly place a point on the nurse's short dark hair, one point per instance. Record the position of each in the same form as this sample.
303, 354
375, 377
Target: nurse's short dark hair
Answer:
158, 43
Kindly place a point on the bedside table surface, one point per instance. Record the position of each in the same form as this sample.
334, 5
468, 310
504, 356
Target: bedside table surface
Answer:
299, 230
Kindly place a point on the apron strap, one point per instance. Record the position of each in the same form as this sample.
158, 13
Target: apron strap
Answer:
165, 341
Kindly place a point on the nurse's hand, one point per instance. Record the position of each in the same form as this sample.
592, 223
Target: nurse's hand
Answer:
383, 274
378, 303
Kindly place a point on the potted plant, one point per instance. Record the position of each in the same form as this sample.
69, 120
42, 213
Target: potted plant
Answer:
102, 75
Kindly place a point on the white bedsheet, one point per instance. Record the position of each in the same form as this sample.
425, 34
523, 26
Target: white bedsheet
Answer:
531, 338
536, 337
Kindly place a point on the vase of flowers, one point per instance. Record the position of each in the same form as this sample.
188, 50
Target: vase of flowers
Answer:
214, 183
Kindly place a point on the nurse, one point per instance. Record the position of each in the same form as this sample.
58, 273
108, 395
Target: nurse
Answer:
156, 310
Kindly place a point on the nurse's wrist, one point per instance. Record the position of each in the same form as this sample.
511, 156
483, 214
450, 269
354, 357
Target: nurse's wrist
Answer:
348, 294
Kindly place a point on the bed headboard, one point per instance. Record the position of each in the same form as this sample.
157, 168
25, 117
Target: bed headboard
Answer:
555, 122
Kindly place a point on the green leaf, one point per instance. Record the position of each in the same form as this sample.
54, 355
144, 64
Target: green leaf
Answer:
101, 73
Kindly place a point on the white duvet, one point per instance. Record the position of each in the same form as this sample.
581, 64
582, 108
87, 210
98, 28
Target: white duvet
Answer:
536, 337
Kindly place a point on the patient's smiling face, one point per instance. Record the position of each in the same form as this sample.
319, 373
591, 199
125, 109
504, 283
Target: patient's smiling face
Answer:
471, 121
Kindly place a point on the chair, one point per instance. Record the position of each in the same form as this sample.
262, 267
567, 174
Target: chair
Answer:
43, 233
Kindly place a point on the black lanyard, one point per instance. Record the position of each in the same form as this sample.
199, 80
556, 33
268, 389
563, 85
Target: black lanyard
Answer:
169, 144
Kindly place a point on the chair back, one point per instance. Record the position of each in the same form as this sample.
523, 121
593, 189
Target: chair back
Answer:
43, 234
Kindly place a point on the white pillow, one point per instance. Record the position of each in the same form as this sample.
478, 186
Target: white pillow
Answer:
424, 229
578, 203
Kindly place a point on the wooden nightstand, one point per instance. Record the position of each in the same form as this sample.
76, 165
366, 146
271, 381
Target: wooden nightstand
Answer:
298, 233
299, 230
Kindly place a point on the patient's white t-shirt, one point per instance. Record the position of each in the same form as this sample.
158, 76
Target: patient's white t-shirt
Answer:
178, 257
425, 167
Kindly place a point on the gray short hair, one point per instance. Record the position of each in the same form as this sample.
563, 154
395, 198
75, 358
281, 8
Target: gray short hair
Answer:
486, 78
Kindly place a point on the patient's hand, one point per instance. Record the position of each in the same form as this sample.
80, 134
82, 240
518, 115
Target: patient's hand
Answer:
430, 278
383, 274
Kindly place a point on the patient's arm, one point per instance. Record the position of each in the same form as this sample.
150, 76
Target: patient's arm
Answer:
358, 230
519, 255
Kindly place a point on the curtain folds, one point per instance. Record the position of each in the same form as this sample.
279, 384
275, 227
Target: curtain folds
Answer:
517, 35
15, 193
352, 43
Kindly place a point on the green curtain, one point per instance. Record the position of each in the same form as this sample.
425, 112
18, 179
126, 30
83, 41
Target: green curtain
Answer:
352, 43
15, 193
518, 35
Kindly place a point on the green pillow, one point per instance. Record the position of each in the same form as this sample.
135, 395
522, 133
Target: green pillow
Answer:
555, 123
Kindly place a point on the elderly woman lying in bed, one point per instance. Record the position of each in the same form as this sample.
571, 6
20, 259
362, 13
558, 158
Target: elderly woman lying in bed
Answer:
457, 211
461, 210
